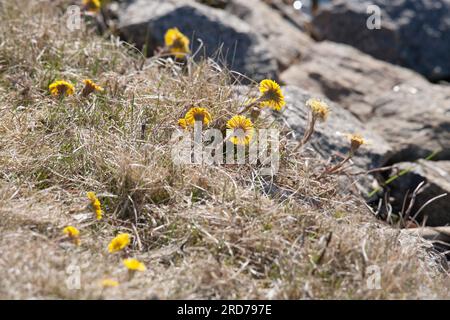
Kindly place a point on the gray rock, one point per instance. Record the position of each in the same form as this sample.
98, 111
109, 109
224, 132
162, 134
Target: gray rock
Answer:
214, 3
146, 21
412, 114
414, 34
284, 40
329, 138
438, 236
298, 18
436, 175
433, 234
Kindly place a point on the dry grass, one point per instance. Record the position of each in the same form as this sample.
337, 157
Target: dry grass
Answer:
202, 231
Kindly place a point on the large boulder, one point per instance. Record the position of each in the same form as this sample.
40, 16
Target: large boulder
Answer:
284, 40
412, 114
224, 36
436, 175
414, 34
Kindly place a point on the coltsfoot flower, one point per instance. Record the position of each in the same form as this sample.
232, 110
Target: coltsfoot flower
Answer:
109, 283
177, 43
92, 5
271, 95
243, 130
319, 109
96, 205
89, 87
134, 265
61, 88
118, 243
73, 233
182, 123
356, 140
198, 114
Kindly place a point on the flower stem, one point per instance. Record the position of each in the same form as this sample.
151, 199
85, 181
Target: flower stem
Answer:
338, 166
250, 105
308, 133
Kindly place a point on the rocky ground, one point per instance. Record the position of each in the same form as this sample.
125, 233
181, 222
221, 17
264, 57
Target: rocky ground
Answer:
222, 232
406, 116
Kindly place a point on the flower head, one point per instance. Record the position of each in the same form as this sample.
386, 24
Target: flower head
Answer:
134, 265
89, 87
198, 114
319, 109
177, 43
242, 130
119, 242
356, 140
109, 283
73, 233
271, 95
61, 88
92, 5
96, 205
182, 123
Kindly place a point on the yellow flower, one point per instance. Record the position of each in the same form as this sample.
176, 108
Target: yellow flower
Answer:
182, 123
319, 108
356, 140
119, 242
134, 265
109, 283
242, 129
61, 88
92, 5
198, 114
177, 43
73, 234
271, 95
71, 231
96, 205
89, 87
